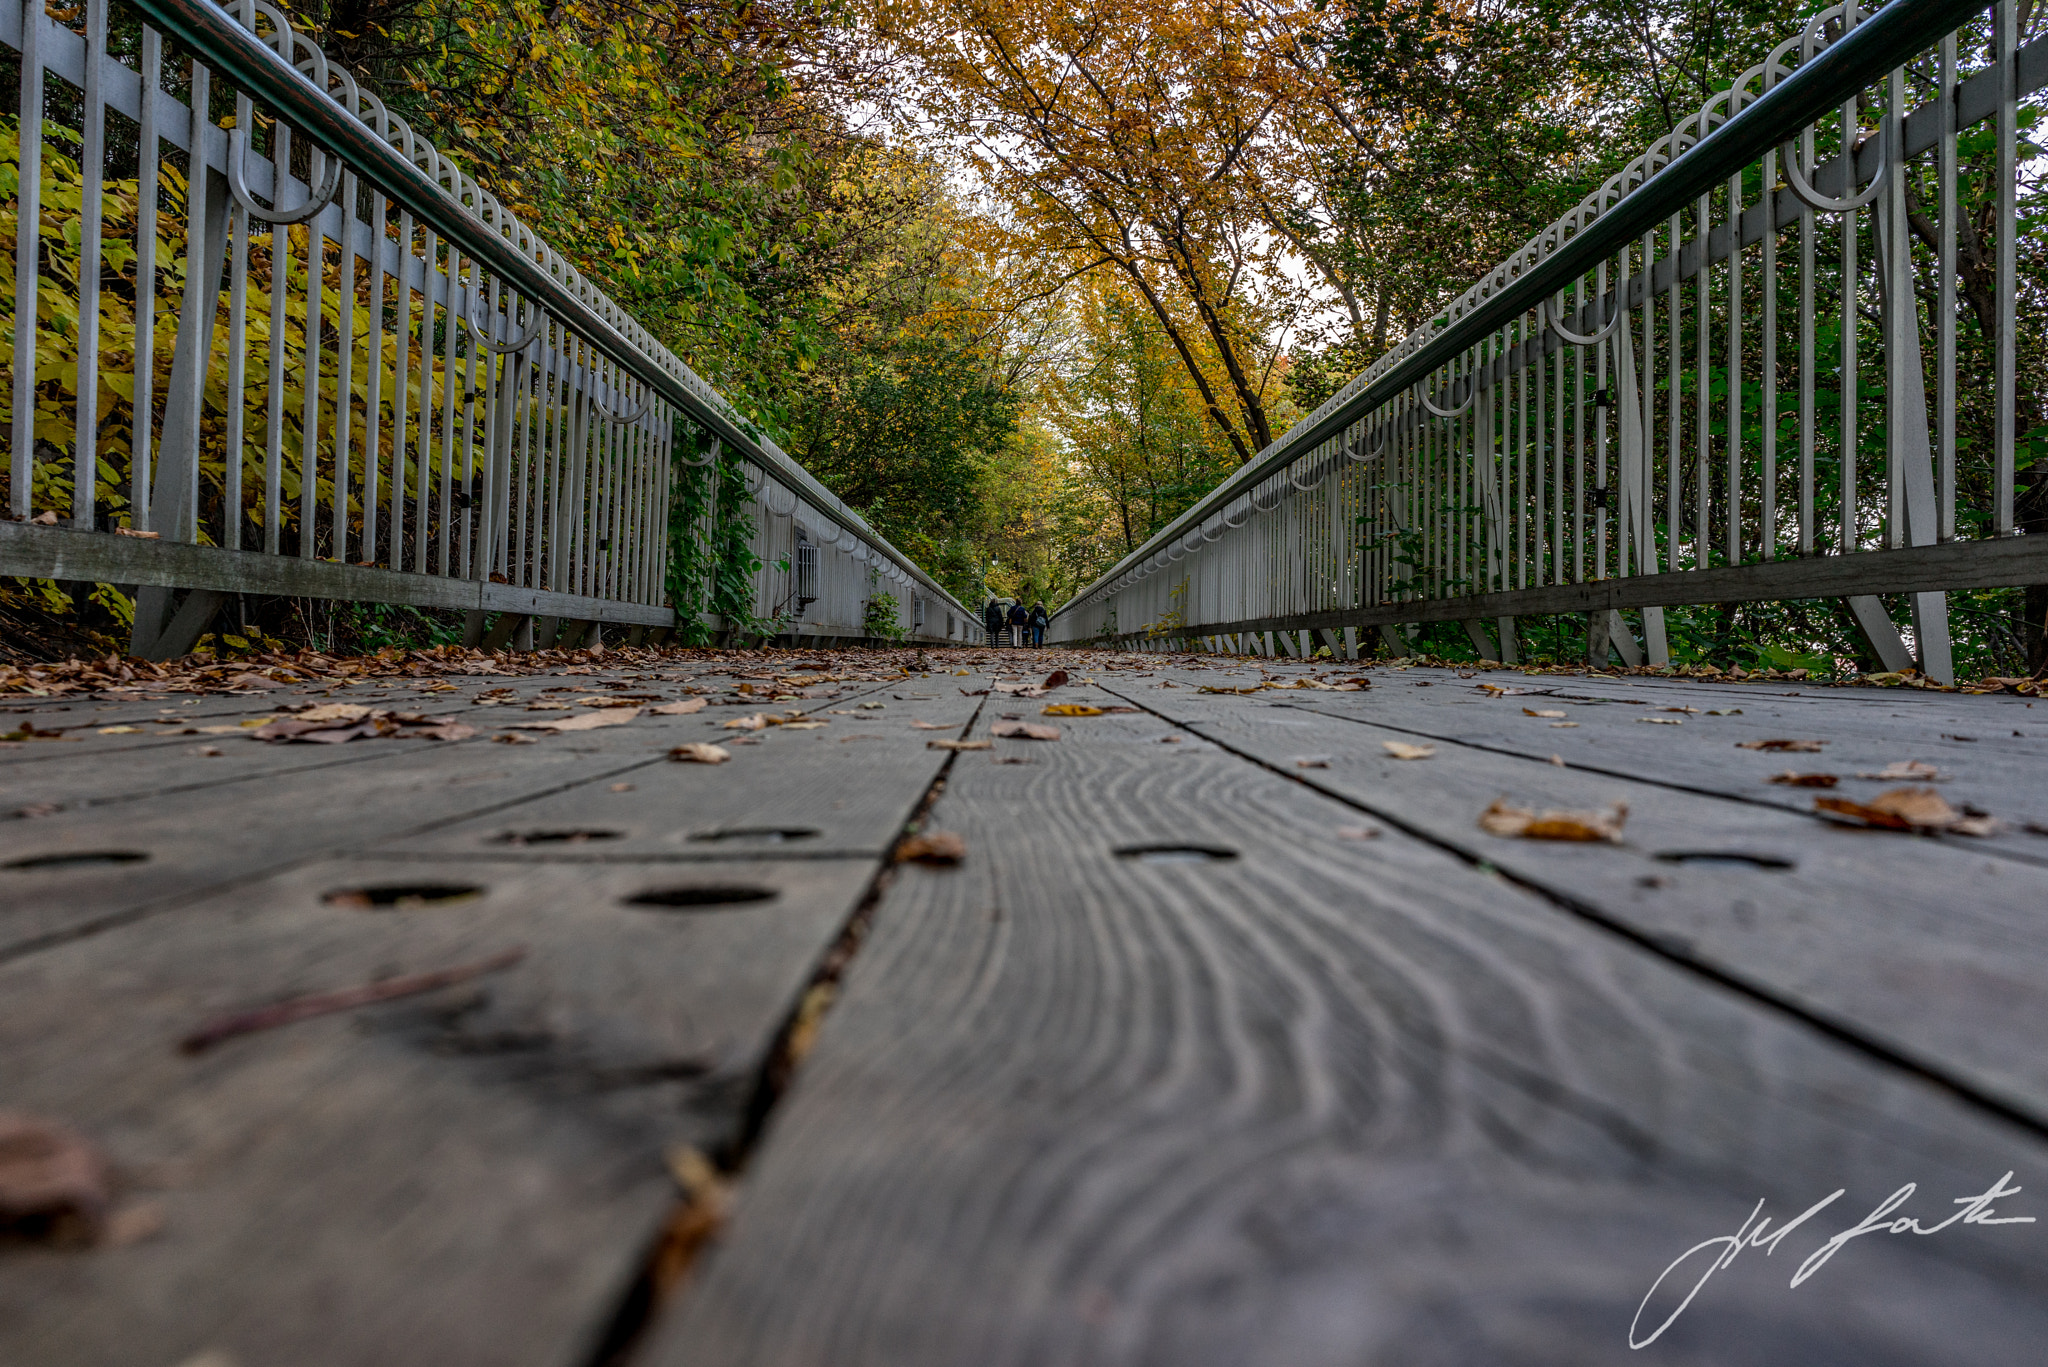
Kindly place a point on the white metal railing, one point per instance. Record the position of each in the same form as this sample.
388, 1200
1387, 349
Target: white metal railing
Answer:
359, 379
1565, 435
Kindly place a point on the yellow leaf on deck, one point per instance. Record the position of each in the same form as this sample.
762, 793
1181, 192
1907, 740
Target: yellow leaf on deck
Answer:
1401, 749
697, 752
1071, 709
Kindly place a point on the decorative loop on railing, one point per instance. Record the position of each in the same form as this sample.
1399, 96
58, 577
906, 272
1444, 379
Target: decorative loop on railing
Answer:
1422, 393
1606, 330
1360, 453
1800, 186
238, 151
646, 402
1317, 477
483, 340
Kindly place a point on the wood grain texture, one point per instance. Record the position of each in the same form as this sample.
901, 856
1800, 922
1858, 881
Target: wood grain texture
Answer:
463, 1177
1333, 1101
1901, 939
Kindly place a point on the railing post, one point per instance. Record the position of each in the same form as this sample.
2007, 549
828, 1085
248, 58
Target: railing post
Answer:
174, 492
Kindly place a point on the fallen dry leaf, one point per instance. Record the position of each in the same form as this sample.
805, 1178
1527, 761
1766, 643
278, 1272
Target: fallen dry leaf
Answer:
119, 730
1797, 780
1401, 749
1563, 725
1909, 769
1024, 730
933, 725
802, 725
1071, 709
954, 744
697, 752
133, 1224
507, 738
333, 712
1312, 762
586, 721
1169, 740
932, 847
753, 723
677, 709
1663, 721
1908, 809
871, 706
1358, 832
53, 1182
1551, 824
1541, 712
1055, 679
1796, 747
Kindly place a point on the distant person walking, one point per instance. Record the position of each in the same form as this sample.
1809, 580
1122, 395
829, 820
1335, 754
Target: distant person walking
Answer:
1039, 622
992, 618
1020, 618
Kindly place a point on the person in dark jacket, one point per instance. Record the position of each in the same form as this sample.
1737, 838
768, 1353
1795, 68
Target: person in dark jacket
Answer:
1039, 622
1020, 618
992, 617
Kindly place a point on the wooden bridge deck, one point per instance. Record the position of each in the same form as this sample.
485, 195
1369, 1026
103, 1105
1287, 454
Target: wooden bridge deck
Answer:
1234, 1039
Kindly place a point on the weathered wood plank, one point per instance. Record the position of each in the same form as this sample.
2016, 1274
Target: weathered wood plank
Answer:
467, 1176
1992, 750
1904, 941
841, 791
1331, 1101
273, 819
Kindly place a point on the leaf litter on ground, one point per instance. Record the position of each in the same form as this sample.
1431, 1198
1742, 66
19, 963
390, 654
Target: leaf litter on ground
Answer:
1524, 823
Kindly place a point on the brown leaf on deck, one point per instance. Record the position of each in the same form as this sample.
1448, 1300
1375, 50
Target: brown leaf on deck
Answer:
1797, 780
753, 723
932, 847
678, 709
53, 1182
1055, 679
1796, 747
956, 744
1401, 749
1553, 824
933, 725
1542, 712
1908, 809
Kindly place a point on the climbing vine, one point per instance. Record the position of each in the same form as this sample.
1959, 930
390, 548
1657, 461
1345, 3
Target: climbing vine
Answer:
711, 560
